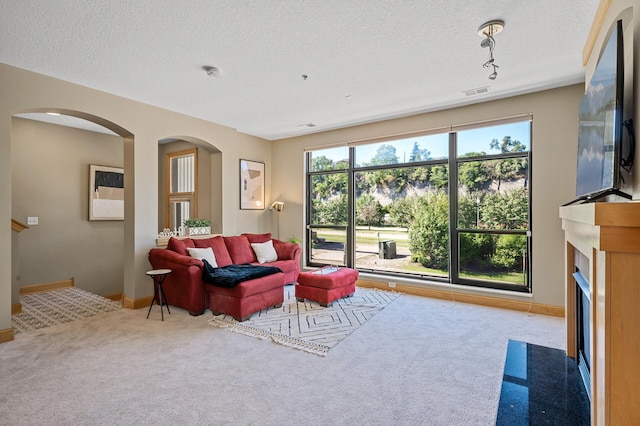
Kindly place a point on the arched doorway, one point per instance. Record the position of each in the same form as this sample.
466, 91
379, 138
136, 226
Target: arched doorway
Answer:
51, 156
206, 200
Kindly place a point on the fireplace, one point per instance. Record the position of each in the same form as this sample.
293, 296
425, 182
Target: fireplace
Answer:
583, 325
582, 318
602, 297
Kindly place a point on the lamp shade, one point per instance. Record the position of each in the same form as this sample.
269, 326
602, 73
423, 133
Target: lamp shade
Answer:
277, 206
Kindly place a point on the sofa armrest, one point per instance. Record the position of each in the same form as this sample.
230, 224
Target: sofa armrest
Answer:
287, 251
169, 259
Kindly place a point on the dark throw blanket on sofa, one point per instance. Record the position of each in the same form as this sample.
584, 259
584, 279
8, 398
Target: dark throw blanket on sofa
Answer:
232, 275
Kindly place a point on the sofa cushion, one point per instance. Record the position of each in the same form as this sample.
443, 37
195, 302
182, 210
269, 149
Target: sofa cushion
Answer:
285, 250
180, 246
240, 249
284, 265
258, 238
265, 251
219, 249
203, 254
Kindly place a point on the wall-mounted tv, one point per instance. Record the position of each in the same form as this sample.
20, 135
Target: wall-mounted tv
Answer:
600, 127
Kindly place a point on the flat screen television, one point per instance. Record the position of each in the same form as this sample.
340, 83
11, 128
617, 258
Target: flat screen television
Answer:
600, 128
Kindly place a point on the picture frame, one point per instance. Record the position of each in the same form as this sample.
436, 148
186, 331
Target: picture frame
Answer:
106, 193
251, 185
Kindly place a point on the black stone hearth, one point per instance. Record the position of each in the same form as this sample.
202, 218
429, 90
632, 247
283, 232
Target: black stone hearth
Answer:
541, 386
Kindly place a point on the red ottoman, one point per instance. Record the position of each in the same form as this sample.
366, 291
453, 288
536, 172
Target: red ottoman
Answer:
246, 298
326, 285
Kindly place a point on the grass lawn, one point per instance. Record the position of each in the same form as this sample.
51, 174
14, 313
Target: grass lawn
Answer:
372, 236
505, 277
364, 235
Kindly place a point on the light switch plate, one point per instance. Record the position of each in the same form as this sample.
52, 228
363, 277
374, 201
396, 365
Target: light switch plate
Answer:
32, 220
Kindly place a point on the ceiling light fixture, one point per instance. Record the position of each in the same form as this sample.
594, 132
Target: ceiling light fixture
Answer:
488, 30
211, 71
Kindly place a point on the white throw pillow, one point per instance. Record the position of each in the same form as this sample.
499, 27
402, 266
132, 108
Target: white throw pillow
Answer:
203, 254
265, 251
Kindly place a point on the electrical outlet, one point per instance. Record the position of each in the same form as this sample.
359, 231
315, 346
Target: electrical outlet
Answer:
32, 220
392, 285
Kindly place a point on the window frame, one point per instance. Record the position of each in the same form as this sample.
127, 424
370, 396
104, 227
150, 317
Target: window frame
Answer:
453, 163
180, 196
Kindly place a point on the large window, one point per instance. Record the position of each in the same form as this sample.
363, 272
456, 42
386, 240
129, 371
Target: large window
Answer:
181, 187
387, 207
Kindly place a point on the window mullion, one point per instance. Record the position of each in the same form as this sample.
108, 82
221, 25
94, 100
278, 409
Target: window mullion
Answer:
453, 209
351, 208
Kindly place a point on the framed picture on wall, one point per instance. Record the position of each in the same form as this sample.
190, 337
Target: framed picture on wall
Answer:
251, 185
106, 193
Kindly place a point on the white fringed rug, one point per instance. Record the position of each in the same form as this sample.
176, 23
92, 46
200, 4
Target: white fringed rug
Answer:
307, 326
45, 309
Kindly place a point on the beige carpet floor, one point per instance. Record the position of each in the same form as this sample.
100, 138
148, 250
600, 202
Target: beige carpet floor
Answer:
419, 361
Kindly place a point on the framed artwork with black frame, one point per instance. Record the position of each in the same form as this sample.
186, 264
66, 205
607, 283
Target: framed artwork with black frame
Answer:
251, 185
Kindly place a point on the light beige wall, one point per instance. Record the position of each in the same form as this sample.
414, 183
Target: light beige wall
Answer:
555, 132
141, 126
629, 12
216, 193
50, 180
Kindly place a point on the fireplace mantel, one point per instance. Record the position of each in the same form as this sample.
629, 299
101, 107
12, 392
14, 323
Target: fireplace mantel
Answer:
608, 234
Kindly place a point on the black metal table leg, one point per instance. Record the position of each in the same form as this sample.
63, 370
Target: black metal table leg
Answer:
155, 294
158, 276
163, 298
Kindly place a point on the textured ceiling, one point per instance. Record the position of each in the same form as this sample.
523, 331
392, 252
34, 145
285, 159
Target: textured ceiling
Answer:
365, 60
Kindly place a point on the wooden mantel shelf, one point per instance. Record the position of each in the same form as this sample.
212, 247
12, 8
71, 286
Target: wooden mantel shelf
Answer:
18, 226
604, 214
607, 226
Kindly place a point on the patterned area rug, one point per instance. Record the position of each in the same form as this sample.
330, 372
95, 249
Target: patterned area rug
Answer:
40, 310
307, 325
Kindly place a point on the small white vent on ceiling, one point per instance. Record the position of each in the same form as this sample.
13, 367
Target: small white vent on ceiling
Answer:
476, 91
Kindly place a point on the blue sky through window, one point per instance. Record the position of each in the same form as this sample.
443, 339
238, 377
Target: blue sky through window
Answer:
474, 140
479, 140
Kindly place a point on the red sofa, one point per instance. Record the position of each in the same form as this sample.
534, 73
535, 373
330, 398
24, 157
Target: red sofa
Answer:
185, 288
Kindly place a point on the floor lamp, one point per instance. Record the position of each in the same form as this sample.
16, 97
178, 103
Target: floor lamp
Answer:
277, 206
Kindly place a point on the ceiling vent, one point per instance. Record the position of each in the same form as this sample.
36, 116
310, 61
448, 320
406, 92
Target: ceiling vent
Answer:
476, 91
307, 125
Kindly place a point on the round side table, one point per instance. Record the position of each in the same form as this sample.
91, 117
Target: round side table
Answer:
158, 276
